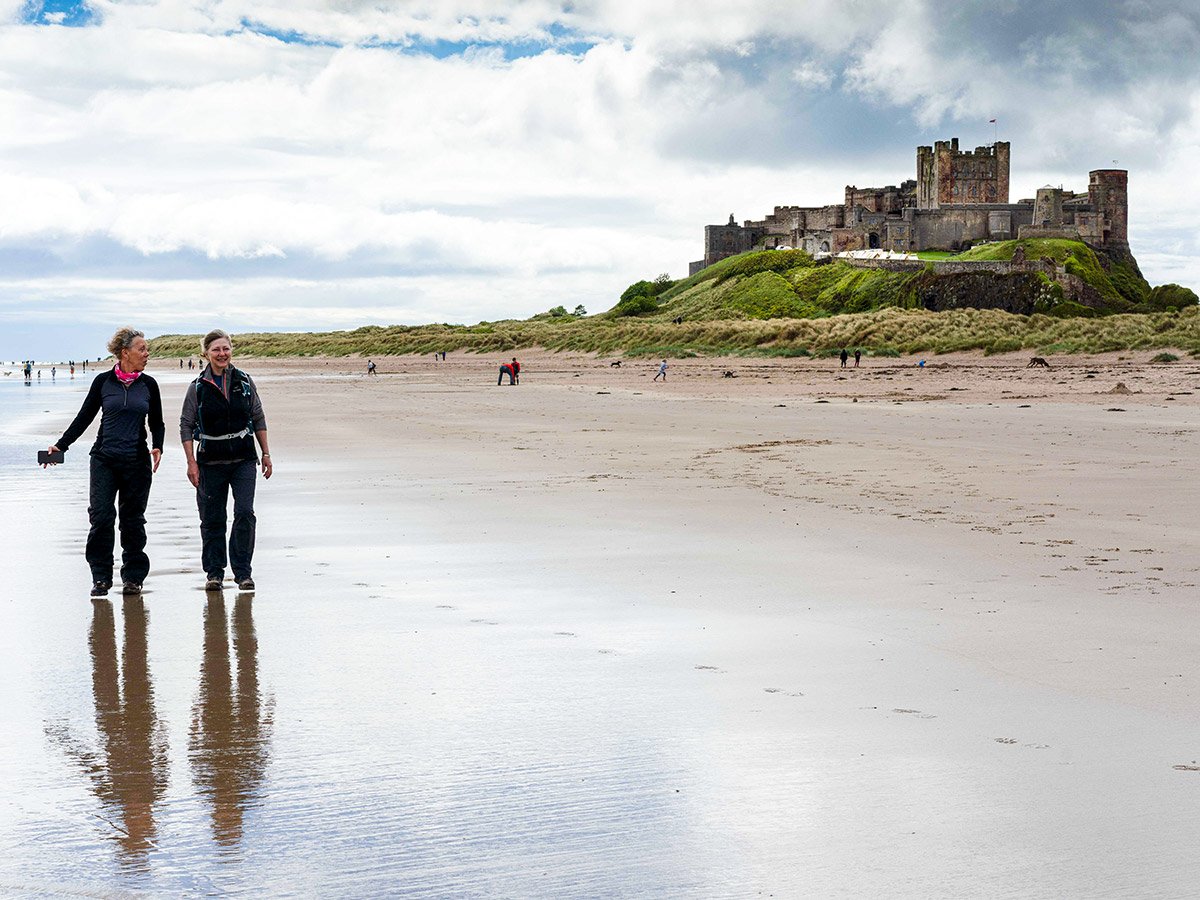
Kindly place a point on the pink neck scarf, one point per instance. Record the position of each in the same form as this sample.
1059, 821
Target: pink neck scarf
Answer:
126, 378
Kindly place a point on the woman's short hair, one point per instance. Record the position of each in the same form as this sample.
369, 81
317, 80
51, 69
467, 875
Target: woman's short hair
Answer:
123, 339
213, 335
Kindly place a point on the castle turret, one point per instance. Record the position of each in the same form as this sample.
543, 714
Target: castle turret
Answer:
947, 176
1048, 207
1108, 194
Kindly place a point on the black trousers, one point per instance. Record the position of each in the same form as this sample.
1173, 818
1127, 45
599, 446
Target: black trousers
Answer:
117, 495
212, 498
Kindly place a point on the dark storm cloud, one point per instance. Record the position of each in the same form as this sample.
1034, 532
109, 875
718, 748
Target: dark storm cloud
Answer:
1057, 75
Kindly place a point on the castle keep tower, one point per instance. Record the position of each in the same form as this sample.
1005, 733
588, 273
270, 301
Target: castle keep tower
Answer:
1108, 194
947, 176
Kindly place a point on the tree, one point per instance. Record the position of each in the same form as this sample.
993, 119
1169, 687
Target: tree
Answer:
579, 311
557, 311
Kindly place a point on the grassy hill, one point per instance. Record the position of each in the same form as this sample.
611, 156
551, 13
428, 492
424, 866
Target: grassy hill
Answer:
782, 303
775, 284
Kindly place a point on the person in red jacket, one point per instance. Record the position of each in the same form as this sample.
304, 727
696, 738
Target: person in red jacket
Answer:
516, 370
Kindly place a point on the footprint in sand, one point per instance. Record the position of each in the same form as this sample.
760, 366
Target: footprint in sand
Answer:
565, 633
915, 712
1185, 768
445, 606
484, 622
785, 693
708, 669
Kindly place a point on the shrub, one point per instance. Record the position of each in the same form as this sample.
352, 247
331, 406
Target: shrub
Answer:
1164, 357
638, 289
557, 311
1069, 309
1171, 296
636, 305
648, 288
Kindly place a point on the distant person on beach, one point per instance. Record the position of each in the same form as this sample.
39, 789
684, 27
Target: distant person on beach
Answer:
662, 371
506, 369
371, 368
857, 356
221, 418
844, 356
516, 370
121, 465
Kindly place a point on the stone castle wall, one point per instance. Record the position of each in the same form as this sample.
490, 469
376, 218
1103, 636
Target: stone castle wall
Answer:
959, 198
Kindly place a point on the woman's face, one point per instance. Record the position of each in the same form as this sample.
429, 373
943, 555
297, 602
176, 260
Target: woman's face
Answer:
135, 356
220, 352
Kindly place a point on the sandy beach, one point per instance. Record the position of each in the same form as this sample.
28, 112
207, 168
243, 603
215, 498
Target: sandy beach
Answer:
801, 631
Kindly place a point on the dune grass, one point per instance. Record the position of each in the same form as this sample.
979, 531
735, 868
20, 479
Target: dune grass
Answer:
783, 303
885, 332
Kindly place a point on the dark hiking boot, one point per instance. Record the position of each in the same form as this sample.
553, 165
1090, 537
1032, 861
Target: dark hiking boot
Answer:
213, 583
246, 584
131, 588
100, 588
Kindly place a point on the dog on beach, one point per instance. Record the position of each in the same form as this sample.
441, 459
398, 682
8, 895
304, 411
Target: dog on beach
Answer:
615, 363
1036, 362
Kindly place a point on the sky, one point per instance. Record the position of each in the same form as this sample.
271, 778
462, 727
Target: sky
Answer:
282, 165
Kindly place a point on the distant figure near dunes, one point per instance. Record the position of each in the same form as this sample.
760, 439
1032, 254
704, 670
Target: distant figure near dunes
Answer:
1037, 362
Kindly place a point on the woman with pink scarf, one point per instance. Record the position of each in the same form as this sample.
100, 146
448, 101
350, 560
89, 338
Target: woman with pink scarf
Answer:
121, 464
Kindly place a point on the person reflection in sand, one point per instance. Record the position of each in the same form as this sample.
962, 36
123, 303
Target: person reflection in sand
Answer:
230, 730
129, 775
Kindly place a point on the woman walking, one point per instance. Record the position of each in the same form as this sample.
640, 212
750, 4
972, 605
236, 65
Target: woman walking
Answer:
121, 465
221, 417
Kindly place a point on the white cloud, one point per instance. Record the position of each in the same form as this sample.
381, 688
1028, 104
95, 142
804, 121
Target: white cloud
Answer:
811, 75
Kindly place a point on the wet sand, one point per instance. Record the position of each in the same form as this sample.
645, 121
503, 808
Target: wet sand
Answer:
594, 635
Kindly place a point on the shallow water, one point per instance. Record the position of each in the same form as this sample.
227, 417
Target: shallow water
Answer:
414, 705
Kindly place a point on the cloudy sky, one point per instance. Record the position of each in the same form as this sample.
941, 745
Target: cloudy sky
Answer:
305, 164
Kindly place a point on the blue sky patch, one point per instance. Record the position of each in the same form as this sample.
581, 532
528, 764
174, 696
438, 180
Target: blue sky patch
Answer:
558, 38
72, 13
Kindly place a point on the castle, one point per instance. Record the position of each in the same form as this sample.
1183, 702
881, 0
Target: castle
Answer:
959, 198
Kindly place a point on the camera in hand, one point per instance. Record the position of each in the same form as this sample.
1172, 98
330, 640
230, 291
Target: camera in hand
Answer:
45, 457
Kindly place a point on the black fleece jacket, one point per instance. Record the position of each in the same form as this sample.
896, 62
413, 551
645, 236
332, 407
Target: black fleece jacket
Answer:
125, 411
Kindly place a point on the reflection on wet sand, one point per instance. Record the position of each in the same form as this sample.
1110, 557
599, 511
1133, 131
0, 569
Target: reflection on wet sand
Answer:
230, 730
129, 774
